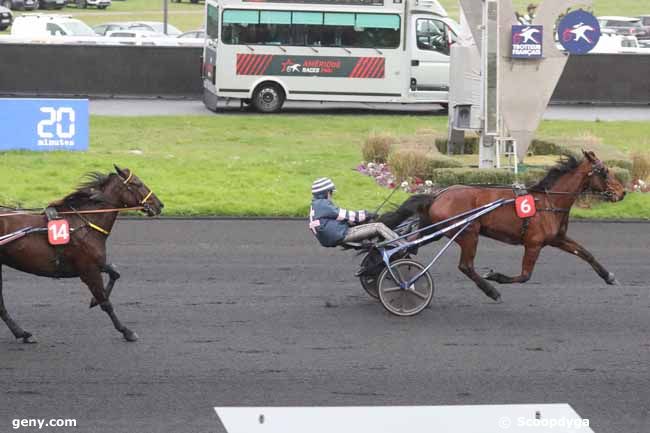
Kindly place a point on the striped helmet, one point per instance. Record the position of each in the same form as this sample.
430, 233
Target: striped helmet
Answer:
321, 185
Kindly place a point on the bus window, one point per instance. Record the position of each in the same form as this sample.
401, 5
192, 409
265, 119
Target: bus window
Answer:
432, 35
317, 29
212, 22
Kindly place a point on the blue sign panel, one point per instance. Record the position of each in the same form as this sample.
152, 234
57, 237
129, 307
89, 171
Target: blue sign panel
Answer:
44, 124
578, 32
527, 42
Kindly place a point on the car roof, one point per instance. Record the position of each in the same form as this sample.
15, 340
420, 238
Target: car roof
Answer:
615, 18
135, 32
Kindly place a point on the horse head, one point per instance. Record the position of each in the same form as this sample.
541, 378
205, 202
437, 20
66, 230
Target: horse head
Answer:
601, 179
134, 193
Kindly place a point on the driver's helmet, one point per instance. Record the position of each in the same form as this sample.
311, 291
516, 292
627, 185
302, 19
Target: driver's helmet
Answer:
322, 186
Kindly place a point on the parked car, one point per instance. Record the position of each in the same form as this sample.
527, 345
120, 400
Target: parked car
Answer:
49, 25
150, 26
194, 34
645, 23
17, 5
83, 4
155, 26
624, 26
141, 37
6, 18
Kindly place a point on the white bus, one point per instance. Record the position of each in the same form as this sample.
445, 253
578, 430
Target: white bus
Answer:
264, 52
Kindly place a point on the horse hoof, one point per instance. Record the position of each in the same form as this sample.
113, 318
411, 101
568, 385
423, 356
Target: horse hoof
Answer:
489, 275
130, 336
29, 339
611, 280
496, 297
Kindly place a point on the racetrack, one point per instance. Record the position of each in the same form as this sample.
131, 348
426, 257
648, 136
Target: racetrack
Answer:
255, 313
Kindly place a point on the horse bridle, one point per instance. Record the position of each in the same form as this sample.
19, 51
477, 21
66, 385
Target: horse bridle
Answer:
599, 169
146, 197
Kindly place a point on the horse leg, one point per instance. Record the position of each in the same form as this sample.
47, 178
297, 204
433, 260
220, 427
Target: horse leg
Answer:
93, 280
468, 243
572, 247
13, 326
113, 276
531, 253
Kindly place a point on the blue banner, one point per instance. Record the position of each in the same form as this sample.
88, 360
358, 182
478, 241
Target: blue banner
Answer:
578, 32
527, 42
44, 124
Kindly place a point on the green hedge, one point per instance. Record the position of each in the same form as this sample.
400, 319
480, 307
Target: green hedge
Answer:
469, 176
455, 176
470, 147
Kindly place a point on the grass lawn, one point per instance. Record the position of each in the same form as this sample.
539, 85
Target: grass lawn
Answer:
248, 165
188, 16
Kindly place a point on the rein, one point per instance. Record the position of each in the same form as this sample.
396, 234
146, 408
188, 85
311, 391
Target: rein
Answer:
93, 211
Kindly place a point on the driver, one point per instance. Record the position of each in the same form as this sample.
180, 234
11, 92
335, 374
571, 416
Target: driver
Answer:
334, 226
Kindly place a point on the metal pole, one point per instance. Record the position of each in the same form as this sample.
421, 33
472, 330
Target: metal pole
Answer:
165, 10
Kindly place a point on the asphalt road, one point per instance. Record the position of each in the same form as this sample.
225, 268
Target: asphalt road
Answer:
156, 107
255, 313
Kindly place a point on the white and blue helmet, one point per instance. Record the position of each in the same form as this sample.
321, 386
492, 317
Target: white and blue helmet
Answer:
322, 185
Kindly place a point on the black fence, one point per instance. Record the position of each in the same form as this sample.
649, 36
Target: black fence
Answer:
605, 79
172, 72
94, 70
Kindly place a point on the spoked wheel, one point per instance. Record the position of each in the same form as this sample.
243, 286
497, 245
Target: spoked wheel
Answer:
369, 280
411, 300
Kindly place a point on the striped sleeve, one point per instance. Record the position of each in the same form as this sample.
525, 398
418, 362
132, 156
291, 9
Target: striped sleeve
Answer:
352, 217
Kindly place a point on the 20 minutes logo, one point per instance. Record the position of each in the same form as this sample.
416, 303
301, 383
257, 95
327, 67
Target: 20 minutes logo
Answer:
58, 128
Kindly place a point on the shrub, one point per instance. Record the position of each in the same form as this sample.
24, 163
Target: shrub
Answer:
377, 147
622, 175
640, 166
414, 162
472, 176
469, 148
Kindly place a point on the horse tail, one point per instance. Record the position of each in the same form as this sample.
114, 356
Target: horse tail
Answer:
416, 204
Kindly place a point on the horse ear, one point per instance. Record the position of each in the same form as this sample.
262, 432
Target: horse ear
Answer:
119, 171
591, 156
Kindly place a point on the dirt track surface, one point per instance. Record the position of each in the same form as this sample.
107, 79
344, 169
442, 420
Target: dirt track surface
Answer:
255, 313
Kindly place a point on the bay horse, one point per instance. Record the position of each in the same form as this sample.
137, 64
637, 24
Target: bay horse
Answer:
91, 211
554, 196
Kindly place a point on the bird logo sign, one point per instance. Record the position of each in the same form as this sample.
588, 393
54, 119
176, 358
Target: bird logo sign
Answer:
578, 32
527, 42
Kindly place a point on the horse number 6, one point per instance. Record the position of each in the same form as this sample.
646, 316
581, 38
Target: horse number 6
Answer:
525, 206
58, 232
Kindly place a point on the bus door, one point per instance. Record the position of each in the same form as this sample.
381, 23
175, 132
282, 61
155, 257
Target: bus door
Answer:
209, 69
429, 47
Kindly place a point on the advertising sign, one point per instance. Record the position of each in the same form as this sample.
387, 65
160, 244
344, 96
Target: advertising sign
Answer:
44, 124
579, 32
319, 66
527, 42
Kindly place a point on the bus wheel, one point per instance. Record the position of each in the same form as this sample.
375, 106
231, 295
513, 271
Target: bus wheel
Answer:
268, 98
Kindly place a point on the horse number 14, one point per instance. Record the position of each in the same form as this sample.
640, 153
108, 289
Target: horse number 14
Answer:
58, 232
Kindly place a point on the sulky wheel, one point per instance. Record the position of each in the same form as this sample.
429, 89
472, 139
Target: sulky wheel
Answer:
369, 279
409, 301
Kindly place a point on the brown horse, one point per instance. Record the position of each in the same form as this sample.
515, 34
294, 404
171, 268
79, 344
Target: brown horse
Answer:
554, 196
91, 211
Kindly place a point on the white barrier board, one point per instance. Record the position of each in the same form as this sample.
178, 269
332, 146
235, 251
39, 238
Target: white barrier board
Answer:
526, 418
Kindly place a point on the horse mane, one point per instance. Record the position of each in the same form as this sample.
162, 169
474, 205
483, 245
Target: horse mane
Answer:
565, 165
88, 191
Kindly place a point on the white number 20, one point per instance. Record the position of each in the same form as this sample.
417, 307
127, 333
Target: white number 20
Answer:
56, 118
